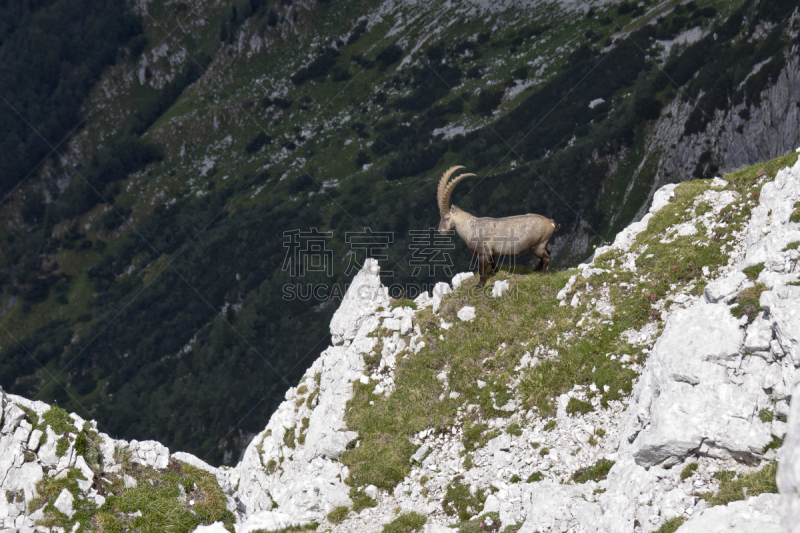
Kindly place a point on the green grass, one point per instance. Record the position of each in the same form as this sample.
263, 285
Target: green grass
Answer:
361, 501
774, 444
59, 420
759, 482
406, 523
338, 515
305, 528
156, 496
576, 406
753, 271
479, 524
534, 477
747, 301
514, 429
597, 472
671, 525
795, 216
460, 502
404, 302
792, 246
689, 471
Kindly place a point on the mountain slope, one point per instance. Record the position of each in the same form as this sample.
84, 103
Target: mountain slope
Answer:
649, 388
144, 280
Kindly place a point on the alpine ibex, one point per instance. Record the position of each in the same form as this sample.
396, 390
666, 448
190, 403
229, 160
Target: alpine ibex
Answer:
488, 238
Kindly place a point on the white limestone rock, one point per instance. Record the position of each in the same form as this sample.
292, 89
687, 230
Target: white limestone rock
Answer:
64, 502
662, 197
372, 491
786, 316
459, 278
759, 336
759, 514
439, 290
421, 454
423, 300
149, 453
466, 313
788, 477
88, 474
216, 527
309, 482
195, 462
686, 400
551, 506
725, 289
266, 520
500, 287
365, 295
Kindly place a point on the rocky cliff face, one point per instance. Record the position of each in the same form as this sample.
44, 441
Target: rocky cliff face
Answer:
696, 441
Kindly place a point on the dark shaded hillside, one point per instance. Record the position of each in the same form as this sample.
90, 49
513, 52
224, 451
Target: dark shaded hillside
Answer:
51, 54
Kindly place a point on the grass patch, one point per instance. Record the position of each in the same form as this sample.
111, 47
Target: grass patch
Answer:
289, 437
403, 302
689, 471
459, 501
671, 525
748, 302
774, 444
176, 499
406, 523
338, 515
597, 472
765, 416
733, 488
576, 406
534, 477
795, 216
361, 501
550, 425
481, 524
514, 429
753, 271
792, 246
477, 435
59, 420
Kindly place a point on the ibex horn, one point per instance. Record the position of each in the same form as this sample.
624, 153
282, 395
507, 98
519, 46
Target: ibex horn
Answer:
444, 202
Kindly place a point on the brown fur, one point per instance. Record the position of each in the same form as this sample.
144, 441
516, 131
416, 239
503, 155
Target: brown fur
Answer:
489, 238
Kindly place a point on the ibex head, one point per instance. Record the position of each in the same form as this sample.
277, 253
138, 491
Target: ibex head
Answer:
447, 212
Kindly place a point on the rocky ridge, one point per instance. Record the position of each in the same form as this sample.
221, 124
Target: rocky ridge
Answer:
712, 397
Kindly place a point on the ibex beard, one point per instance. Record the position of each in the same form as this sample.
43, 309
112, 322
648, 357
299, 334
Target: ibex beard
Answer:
488, 238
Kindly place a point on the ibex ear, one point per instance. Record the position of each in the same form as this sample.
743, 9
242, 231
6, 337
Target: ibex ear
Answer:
453, 209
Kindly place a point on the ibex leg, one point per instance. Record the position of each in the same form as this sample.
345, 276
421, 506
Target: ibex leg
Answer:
542, 253
483, 262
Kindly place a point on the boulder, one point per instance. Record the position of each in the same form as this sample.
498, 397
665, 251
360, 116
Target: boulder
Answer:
753, 515
266, 520
466, 313
363, 297
500, 287
439, 290
687, 402
216, 527
725, 289
458, 279
64, 502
